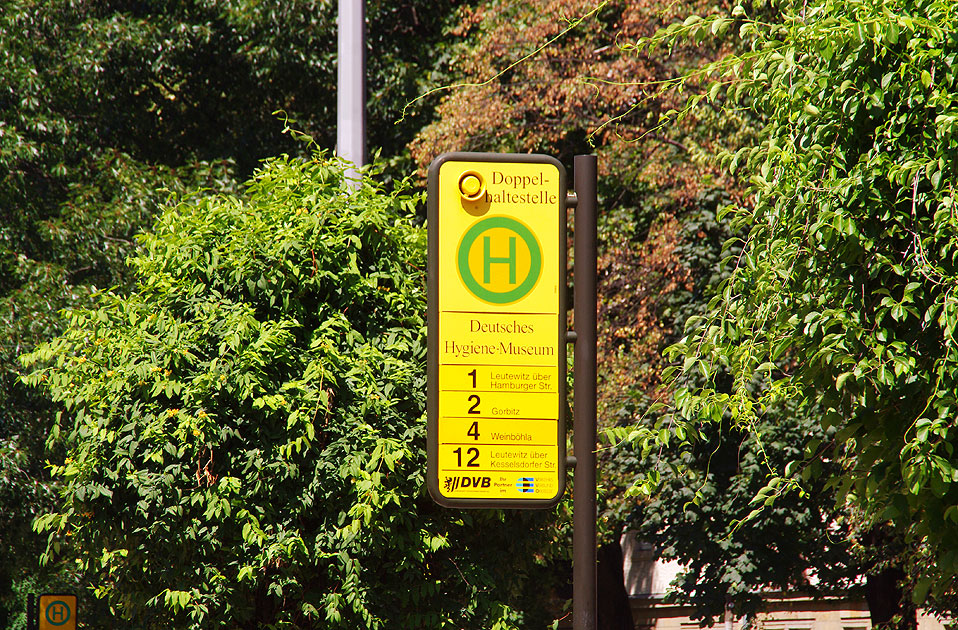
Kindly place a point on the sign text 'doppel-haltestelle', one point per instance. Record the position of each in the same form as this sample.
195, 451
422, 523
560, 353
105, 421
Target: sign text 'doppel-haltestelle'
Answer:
521, 189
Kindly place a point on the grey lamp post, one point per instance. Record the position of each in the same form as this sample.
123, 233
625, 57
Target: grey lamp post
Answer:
351, 84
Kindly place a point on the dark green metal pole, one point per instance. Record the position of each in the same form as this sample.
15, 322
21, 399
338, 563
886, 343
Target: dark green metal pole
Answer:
584, 412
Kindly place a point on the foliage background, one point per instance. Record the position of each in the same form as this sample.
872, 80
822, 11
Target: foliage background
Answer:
106, 109
835, 295
841, 300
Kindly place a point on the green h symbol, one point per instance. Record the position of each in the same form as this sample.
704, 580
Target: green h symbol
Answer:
488, 260
58, 613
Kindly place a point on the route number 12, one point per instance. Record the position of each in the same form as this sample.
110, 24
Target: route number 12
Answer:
472, 452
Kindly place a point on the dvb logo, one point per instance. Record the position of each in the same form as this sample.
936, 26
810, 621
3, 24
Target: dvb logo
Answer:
458, 483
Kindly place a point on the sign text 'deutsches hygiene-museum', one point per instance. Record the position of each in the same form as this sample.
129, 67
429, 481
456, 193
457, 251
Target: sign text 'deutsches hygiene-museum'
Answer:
496, 338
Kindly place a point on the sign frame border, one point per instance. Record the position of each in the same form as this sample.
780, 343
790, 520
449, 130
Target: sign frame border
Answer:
432, 329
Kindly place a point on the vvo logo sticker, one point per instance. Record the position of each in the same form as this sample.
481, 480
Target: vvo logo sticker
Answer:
526, 485
453, 483
499, 260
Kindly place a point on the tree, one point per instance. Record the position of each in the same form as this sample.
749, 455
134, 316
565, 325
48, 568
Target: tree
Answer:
244, 430
90, 235
842, 295
798, 545
660, 249
108, 108
704, 488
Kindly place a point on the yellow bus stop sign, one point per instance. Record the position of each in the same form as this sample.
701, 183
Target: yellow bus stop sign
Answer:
57, 612
496, 368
